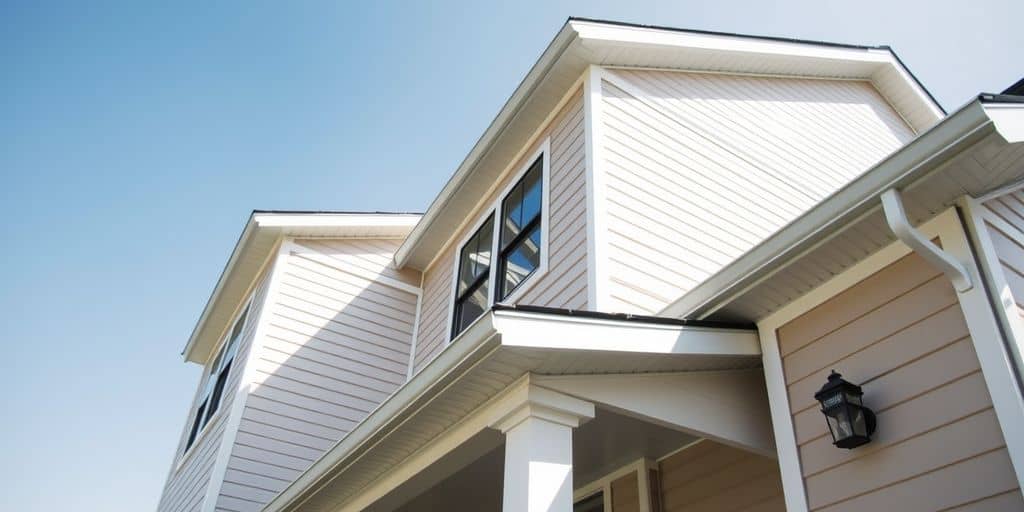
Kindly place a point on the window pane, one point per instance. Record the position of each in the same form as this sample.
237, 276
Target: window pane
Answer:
531, 196
218, 391
197, 425
521, 261
475, 258
471, 307
512, 214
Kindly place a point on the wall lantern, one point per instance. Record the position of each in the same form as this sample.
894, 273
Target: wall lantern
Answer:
849, 421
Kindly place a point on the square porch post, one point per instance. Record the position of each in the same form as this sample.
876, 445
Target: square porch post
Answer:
538, 450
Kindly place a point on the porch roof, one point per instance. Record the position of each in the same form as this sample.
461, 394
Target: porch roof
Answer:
500, 347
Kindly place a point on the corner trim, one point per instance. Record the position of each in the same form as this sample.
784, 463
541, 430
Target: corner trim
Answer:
597, 263
234, 420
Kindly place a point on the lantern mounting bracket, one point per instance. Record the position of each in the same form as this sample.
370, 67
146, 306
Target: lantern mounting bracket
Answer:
900, 225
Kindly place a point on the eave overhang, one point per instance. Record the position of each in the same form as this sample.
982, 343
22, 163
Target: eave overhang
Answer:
254, 249
976, 151
500, 347
581, 43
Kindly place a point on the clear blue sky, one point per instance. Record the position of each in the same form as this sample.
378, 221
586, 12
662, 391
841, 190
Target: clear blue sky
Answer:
134, 141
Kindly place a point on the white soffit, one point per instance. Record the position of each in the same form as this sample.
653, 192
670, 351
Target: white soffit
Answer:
581, 43
494, 352
256, 245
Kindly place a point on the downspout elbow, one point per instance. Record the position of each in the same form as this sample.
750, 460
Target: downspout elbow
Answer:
900, 225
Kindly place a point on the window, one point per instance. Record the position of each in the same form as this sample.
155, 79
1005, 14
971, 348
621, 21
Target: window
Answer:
512, 234
519, 255
474, 272
216, 379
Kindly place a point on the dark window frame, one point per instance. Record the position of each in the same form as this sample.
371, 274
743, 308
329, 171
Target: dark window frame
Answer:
479, 281
216, 380
505, 249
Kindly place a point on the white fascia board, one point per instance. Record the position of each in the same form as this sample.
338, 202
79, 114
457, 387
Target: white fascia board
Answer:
236, 254
654, 36
508, 112
335, 220
558, 332
1008, 118
914, 161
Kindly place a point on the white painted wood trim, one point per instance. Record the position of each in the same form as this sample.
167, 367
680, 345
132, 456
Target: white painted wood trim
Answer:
604, 484
976, 216
234, 419
543, 152
782, 421
991, 347
597, 262
415, 334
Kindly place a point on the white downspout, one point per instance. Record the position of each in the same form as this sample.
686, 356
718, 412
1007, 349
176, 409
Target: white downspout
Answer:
900, 225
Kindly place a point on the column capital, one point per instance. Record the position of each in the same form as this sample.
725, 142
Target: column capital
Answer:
527, 400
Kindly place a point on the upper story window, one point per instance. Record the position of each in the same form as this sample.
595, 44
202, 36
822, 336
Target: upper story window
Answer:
519, 256
216, 379
471, 291
512, 235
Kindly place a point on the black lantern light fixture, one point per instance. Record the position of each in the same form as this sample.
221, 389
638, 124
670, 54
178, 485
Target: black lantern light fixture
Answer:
849, 421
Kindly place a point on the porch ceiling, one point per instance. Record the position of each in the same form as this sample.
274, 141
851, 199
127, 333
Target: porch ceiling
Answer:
499, 348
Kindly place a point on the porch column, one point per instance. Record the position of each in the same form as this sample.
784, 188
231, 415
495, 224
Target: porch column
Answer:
538, 449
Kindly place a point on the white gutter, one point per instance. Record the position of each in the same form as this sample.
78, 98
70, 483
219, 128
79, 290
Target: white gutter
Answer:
901, 226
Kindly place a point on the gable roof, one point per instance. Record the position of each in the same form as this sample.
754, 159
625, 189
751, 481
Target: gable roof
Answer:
582, 42
254, 249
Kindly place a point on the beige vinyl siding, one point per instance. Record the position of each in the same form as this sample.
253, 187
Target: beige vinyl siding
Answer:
186, 486
901, 334
710, 476
565, 283
626, 493
337, 344
701, 167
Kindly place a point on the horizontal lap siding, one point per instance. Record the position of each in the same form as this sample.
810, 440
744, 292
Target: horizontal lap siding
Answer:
336, 345
626, 493
186, 486
565, 283
701, 167
901, 334
709, 476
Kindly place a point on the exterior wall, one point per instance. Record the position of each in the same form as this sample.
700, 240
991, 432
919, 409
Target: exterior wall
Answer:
700, 167
901, 333
336, 344
626, 493
710, 476
187, 483
565, 283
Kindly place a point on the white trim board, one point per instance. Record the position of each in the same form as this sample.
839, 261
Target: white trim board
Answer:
220, 466
597, 263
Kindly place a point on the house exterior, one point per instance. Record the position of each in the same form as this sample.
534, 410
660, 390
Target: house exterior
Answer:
627, 296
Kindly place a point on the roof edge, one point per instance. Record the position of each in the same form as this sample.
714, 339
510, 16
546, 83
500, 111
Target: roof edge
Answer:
897, 170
